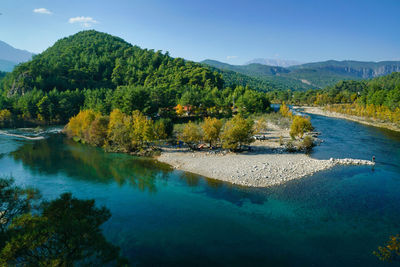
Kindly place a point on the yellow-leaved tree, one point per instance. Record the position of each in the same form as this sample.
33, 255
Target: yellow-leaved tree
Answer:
211, 129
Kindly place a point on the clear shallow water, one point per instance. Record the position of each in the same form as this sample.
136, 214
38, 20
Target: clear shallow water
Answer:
165, 217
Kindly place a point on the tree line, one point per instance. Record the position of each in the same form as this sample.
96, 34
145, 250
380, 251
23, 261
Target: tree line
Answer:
377, 98
63, 232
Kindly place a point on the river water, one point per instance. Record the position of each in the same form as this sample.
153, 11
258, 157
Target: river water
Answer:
163, 217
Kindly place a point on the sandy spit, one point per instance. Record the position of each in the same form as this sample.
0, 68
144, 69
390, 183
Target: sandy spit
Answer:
260, 168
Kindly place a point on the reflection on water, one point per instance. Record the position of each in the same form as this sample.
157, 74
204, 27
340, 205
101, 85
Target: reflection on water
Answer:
164, 217
58, 154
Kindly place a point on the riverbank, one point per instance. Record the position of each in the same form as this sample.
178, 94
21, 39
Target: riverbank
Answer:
366, 121
267, 164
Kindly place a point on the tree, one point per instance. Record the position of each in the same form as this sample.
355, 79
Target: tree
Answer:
98, 130
300, 125
237, 132
211, 129
15, 201
79, 125
141, 130
284, 110
66, 233
160, 130
5, 117
191, 134
118, 135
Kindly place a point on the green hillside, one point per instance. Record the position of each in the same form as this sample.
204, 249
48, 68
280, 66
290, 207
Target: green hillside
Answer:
97, 71
91, 59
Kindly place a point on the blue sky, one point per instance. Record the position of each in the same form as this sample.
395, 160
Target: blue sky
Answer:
230, 31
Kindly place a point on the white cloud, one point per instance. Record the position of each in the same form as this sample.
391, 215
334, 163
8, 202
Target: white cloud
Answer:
42, 11
231, 57
84, 21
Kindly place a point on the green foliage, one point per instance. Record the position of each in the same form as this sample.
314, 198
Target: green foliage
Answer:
62, 232
14, 201
191, 134
90, 59
67, 232
237, 132
253, 102
300, 125
100, 72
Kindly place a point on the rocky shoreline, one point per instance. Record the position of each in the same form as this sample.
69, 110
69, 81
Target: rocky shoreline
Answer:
254, 169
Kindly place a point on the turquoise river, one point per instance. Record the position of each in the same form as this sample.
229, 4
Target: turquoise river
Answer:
164, 217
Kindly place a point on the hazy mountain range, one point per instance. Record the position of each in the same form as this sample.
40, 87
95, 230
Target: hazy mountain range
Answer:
311, 75
10, 56
274, 62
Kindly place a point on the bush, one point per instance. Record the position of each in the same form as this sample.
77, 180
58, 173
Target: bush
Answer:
300, 125
290, 146
237, 132
191, 134
212, 129
307, 144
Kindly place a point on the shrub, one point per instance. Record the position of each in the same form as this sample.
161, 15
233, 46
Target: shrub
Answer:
300, 125
307, 144
211, 129
191, 134
237, 132
290, 146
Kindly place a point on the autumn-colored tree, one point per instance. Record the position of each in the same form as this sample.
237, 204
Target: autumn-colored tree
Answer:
98, 131
160, 131
179, 110
191, 134
285, 110
211, 129
141, 130
5, 117
237, 132
78, 126
300, 125
118, 135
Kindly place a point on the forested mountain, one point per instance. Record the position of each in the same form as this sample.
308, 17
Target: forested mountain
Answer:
312, 75
90, 59
10, 56
101, 72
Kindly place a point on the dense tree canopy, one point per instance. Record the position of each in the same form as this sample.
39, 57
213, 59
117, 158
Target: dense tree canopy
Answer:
90, 59
62, 232
97, 71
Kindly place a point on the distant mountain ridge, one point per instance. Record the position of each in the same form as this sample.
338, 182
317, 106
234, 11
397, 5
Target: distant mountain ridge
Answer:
314, 75
10, 56
274, 62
